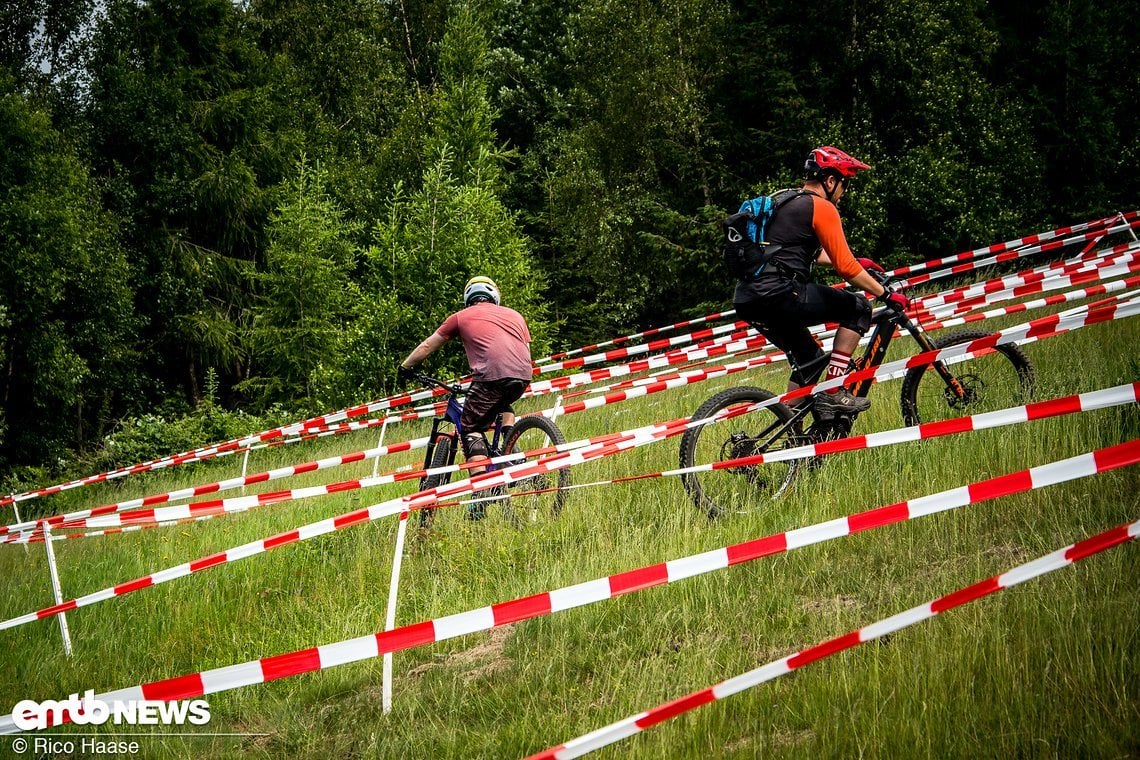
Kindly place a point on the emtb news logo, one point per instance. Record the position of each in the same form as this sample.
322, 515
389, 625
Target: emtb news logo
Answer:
29, 715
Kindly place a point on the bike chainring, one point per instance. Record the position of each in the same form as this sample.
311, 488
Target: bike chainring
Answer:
830, 430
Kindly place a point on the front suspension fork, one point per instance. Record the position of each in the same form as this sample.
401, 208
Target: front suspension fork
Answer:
954, 387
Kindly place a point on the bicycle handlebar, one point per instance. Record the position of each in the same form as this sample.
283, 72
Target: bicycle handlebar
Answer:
455, 390
884, 279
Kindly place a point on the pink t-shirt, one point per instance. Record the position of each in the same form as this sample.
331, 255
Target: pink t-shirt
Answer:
495, 338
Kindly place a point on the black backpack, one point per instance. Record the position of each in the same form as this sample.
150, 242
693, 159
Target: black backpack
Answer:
746, 252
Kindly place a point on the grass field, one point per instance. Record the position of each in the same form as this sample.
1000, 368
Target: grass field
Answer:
1048, 669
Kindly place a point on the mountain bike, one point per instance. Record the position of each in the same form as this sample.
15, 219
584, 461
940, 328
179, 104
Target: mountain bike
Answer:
532, 499
1001, 378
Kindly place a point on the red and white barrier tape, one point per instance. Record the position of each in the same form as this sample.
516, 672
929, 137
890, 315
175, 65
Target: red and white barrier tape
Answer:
39, 537
1082, 402
898, 272
948, 310
1060, 232
613, 444
1008, 286
637, 336
1013, 255
244, 503
1099, 274
1026, 306
70, 519
1028, 282
245, 442
635, 724
1027, 277
196, 455
1119, 395
374, 645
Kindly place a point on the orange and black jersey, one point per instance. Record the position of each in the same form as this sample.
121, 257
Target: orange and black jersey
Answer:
802, 226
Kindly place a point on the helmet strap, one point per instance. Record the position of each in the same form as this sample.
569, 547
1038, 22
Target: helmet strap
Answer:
829, 193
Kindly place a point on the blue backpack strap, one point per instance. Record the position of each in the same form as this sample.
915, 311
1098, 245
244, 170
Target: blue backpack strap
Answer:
761, 209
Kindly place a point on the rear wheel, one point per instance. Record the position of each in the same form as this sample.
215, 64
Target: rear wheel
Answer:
440, 457
1002, 378
539, 497
738, 489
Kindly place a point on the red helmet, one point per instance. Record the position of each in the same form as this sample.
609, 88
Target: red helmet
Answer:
828, 160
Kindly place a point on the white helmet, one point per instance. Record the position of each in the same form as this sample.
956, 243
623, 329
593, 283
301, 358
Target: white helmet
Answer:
480, 289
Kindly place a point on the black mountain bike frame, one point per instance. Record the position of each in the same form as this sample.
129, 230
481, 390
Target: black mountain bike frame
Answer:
886, 324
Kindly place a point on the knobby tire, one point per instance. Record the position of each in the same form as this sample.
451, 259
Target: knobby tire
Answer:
739, 488
1000, 379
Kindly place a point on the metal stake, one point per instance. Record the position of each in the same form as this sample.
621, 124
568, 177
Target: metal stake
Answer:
56, 589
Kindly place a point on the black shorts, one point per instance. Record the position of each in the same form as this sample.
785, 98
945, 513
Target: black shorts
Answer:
786, 311
486, 400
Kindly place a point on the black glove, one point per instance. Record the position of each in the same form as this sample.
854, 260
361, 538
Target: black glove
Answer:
404, 374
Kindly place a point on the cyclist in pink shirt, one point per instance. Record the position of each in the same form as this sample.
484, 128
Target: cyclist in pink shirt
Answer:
497, 343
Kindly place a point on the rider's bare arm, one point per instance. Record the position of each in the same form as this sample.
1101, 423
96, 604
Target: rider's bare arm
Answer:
430, 345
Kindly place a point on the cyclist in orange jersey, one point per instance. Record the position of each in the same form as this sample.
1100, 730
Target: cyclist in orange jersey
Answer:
782, 301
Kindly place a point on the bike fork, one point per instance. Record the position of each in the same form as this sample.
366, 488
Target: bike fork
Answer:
954, 386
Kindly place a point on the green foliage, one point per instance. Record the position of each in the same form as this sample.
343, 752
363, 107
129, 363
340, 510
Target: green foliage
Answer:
436, 234
172, 430
581, 154
66, 331
427, 246
305, 291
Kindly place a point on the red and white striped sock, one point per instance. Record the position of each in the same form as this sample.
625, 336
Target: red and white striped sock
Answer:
837, 367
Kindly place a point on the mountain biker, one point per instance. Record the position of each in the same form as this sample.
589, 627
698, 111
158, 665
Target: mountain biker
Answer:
782, 301
497, 342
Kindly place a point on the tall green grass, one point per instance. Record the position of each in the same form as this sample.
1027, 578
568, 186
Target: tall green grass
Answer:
1045, 670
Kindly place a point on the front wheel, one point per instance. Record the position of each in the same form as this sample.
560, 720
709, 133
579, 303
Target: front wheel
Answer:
765, 430
1002, 378
539, 497
440, 457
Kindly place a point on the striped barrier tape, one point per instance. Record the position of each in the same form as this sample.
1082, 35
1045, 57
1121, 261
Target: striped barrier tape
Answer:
1045, 327
683, 378
1119, 395
67, 520
233, 445
358, 456
978, 292
239, 505
1040, 303
635, 724
897, 272
1060, 232
1022, 278
374, 645
641, 348
1017, 291
1118, 268
571, 381
637, 336
38, 538
1005, 285
1021, 284
1012, 255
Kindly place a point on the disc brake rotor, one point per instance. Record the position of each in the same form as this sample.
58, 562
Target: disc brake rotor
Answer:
974, 390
